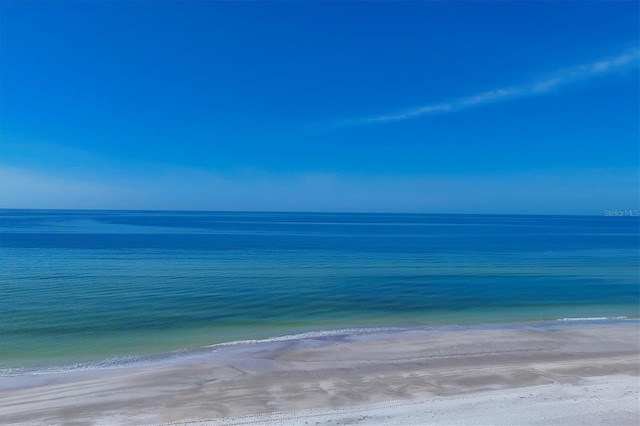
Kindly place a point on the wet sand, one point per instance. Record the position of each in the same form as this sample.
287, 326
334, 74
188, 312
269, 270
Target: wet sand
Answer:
576, 374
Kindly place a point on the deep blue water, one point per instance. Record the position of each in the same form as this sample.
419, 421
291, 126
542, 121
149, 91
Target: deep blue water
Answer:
81, 286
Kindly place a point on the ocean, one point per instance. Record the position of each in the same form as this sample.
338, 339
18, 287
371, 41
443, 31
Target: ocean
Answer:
93, 289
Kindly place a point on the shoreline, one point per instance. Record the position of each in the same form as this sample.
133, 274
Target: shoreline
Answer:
136, 361
328, 372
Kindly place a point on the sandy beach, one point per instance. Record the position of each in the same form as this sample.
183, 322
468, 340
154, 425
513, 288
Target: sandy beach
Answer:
580, 373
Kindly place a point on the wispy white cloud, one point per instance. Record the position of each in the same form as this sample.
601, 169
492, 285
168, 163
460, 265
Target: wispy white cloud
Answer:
550, 82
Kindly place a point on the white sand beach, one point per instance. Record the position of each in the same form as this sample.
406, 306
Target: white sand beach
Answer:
577, 374
595, 401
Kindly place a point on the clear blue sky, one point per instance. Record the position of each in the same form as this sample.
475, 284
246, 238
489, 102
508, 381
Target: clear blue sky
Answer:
464, 107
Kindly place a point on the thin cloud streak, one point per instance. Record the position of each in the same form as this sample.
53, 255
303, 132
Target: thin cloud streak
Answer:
561, 78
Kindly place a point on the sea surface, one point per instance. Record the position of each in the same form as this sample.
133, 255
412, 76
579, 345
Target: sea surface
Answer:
84, 289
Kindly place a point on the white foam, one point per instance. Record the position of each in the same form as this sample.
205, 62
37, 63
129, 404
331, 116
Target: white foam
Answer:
311, 335
592, 318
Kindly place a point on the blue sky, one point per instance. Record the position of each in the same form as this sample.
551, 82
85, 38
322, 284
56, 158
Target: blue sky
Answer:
462, 107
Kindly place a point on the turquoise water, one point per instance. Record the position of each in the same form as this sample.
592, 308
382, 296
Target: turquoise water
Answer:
85, 286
